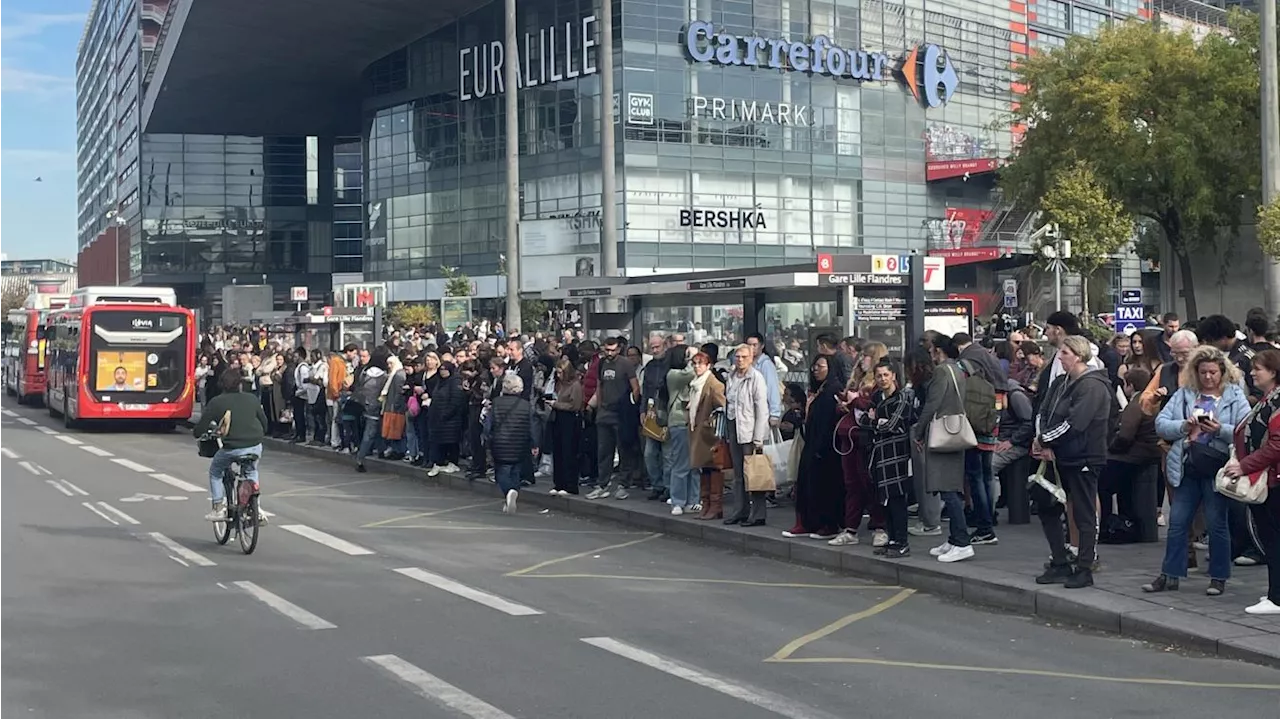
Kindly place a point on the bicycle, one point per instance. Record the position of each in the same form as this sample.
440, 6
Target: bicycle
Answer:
242, 513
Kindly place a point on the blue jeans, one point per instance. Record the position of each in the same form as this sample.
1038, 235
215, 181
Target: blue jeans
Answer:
508, 476
371, 440
1187, 497
222, 460
953, 505
653, 463
412, 441
685, 484
977, 472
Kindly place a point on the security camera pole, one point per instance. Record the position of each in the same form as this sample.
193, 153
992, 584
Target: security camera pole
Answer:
1270, 137
511, 105
1057, 251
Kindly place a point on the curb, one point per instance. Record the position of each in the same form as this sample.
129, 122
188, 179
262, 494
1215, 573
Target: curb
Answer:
974, 584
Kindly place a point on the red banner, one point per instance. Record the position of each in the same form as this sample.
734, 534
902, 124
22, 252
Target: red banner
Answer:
946, 169
969, 255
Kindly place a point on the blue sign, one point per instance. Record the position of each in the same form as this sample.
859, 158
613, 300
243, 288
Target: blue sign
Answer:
1130, 318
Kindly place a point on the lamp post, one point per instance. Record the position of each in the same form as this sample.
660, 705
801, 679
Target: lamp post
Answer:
1270, 76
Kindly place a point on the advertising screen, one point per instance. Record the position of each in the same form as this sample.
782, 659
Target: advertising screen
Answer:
121, 371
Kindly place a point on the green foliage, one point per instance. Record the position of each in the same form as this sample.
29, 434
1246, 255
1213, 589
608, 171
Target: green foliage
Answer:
1168, 127
1097, 225
1269, 228
533, 313
12, 298
410, 315
456, 284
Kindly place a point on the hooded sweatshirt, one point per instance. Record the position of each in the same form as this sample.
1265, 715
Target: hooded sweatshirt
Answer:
1075, 419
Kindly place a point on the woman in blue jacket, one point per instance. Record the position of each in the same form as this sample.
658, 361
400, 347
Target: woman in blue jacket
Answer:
1199, 421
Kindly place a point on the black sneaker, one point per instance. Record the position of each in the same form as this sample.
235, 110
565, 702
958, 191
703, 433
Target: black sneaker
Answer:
1055, 574
897, 551
984, 538
1079, 579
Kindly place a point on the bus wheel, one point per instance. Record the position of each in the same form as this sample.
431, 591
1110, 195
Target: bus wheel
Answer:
22, 398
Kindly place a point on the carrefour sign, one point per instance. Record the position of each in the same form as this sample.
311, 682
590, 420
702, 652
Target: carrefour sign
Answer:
926, 70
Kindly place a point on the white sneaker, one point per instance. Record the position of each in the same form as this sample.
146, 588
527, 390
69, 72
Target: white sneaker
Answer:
824, 537
696, 508
1266, 606
434, 470
844, 539
510, 506
792, 535
881, 538
621, 494
598, 493
1160, 520
956, 554
941, 549
556, 493
219, 513
677, 510
451, 468
919, 530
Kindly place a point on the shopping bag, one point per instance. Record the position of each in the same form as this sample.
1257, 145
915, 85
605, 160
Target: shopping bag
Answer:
757, 470
779, 453
392, 425
793, 458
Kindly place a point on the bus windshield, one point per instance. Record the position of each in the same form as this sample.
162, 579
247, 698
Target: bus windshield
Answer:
141, 355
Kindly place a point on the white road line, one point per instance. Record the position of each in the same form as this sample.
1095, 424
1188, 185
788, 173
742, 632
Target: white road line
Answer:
46, 430
130, 464
179, 560
8, 413
118, 513
28, 422
58, 486
492, 601
96, 450
436, 689
197, 559
74, 488
30, 467
326, 539
98, 512
285, 607
8, 453
180, 484
783, 706
70, 440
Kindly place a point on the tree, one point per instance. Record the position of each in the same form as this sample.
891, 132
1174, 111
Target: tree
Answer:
456, 284
407, 315
1097, 225
533, 313
1269, 227
12, 297
1169, 126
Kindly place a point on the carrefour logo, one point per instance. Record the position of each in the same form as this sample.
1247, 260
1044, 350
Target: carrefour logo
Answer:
930, 75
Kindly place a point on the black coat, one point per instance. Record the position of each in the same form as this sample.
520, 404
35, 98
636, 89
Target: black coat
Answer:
511, 437
448, 411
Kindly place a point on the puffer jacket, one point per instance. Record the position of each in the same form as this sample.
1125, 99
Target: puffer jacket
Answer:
514, 432
1231, 409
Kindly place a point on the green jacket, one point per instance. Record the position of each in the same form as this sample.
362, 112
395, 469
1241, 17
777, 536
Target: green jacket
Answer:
248, 421
678, 381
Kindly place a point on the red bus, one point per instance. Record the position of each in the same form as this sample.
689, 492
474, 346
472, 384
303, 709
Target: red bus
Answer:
25, 352
123, 353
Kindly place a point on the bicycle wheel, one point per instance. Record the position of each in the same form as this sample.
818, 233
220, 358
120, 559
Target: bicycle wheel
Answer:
222, 530
249, 525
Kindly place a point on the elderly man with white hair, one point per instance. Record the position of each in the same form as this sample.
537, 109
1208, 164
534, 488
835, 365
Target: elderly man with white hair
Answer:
512, 438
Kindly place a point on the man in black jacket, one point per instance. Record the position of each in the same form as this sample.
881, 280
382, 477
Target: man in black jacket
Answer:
512, 438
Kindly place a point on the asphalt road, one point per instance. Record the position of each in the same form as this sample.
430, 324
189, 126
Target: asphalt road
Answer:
375, 596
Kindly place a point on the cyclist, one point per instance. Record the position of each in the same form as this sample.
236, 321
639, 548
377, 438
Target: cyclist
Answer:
241, 437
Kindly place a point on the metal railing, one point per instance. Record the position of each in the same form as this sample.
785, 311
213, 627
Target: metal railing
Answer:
159, 43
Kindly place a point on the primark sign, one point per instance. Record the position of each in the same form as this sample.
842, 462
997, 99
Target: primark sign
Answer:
555, 53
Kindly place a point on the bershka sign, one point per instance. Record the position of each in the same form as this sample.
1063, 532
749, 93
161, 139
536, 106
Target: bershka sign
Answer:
820, 56
723, 219
559, 53
769, 113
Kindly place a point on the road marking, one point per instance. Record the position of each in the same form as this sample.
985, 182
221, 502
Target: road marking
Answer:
178, 483
58, 486
419, 515
778, 704
436, 689
74, 488
323, 487
30, 467
8, 413
95, 450
8, 453
795, 646
46, 430
118, 513
285, 607
70, 440
491, 528
181, 551
179, 560
579, 555
130, 464
28, 422
140, 497
492, 601
326, 539
98, 512
698, 580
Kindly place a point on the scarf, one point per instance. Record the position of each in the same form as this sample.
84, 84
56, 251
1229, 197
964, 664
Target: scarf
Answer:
695, 393
1259, 419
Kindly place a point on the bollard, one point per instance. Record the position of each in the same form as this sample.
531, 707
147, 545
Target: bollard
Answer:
1017, 501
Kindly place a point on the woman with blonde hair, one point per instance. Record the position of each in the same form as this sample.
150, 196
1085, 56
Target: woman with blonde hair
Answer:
864, 374
1199, 420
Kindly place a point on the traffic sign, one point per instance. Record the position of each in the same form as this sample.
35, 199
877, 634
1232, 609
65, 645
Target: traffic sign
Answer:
1130, 318
1010, 293
891, 264
298, 294
1131, 297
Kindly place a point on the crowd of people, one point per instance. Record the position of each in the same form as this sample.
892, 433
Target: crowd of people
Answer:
1108, 430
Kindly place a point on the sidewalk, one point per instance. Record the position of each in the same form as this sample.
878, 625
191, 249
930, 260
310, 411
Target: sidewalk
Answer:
1001, 576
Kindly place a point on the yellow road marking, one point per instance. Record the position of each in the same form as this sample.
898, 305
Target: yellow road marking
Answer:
490, 528
323, 487
1025, 672
579, 555
791, 648
696, 580
419, 515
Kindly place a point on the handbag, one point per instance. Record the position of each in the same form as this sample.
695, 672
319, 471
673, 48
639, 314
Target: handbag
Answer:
757, 471
654, 431
1050, 486
721, 458
392, 425
414, 406
1201, 460
951, 432
1247, 489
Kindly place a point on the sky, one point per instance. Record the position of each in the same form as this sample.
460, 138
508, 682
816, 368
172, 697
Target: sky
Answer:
38, 40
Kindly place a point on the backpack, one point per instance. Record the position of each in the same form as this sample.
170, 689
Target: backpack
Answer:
979, 402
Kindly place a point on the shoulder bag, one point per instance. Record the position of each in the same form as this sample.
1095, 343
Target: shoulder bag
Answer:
1248, 489
951, 432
